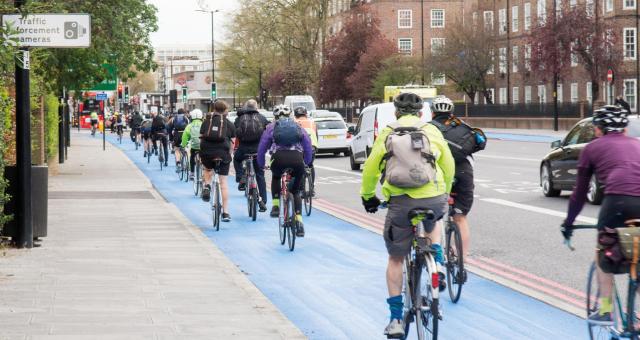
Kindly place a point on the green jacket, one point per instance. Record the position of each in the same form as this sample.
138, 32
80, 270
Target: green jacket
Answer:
186, 135
445, 166
94, 115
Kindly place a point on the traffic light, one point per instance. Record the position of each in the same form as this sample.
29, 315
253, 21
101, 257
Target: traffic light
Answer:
173, 96
126, 93
184, 94
214, 91
119, 91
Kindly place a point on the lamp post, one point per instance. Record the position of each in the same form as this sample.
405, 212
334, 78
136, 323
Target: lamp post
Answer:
213, 49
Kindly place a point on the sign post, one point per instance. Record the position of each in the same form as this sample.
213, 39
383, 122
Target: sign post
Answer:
610, 79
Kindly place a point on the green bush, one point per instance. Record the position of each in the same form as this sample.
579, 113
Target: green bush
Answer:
51, 124
5, 124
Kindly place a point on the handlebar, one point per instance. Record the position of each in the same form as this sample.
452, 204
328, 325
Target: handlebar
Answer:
567, 241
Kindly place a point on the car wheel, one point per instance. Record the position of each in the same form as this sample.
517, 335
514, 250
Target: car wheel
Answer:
547, 183
347, 152
352, 162
595, 193
337, 154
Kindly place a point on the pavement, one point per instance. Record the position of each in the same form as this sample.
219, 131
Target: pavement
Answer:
121, 262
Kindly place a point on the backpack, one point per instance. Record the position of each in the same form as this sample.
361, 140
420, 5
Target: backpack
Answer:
250, 127
287, 132
194, 142
409, 160
180, 122
463, 140
215, 131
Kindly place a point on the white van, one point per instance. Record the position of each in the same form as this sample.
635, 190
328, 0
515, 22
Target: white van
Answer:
372, 120
295, 101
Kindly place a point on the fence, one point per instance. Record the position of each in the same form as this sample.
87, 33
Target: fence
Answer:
546, 110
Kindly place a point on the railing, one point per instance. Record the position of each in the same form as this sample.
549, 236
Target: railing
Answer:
546, 110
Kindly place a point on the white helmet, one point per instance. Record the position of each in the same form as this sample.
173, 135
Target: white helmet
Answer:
282, 110
196, 114
442, 104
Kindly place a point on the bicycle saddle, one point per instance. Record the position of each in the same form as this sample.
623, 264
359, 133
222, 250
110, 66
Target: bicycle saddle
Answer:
427, 213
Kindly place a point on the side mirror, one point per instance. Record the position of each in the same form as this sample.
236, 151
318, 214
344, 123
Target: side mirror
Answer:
351, 130
556, 144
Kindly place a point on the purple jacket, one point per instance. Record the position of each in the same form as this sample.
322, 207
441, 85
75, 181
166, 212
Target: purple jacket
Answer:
268, 144
615, 159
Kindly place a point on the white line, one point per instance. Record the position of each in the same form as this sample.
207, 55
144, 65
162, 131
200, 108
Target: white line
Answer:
539, 210
509, 158
355, 173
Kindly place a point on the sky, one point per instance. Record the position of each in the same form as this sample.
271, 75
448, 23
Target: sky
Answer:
179, 23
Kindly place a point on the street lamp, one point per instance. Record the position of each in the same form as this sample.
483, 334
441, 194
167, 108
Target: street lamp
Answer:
213, 50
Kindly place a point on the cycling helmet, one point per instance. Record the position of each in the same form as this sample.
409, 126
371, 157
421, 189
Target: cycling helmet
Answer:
300, 111
196, 114
408, 103
442, 104
282, 110
610, 118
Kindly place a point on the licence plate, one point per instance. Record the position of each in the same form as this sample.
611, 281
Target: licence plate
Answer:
330, 136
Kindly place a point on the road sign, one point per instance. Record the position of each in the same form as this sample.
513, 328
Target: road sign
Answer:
101, 96
610, 76
110, 83
50, 30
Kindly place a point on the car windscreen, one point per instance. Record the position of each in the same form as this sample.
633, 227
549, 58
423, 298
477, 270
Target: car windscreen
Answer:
330, 124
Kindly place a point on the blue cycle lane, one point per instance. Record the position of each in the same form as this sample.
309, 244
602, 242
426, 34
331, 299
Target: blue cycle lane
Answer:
333, 285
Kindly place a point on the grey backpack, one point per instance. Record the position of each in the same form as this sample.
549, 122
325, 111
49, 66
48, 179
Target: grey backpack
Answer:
410, 163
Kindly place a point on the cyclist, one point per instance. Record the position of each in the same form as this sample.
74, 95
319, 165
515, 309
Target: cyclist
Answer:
614, 159
191, 137
177, 124
119, 123
302, 118
136, 122
216, 133
94, 122
290, 148
398, 230
145, 130
463, 142
250, 125
159, 134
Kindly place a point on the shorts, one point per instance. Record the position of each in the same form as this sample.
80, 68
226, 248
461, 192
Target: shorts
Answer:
207, 161
615, 210
177, 138
463, 188
398, 231
94, 122
146, 135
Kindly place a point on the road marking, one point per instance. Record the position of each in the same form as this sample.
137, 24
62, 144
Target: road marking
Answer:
355, 173
539, 210
509, 158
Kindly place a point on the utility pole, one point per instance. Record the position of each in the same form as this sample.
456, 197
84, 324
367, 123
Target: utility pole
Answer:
422, 39
24, 217
555, 73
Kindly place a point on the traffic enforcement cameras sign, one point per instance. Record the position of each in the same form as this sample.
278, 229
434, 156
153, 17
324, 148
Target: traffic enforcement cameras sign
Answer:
49, 30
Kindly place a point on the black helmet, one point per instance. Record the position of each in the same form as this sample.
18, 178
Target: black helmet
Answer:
300, 111
610, 118
408, 103
181, 111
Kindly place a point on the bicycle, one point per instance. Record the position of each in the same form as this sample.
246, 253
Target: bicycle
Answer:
307, 191
287, 224
216, 195
626, 318
197, 176
251, 186
161, 151
149, 148
93, 130
119, 128
456, 275
183, 165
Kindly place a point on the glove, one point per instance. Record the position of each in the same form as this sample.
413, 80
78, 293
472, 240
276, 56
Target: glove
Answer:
371, 204
566, 230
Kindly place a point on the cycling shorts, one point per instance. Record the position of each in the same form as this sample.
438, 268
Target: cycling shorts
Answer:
177, 138
615, 210
463, 187
208, 157
94, 122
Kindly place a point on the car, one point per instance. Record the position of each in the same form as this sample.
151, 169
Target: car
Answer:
323, 114
558, 169
333, 136
267, 114
371, 121
232, 115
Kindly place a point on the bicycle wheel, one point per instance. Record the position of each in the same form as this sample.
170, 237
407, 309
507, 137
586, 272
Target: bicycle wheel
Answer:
185, 167
455, 264
180, 169
308, 199
216, 206
161, 155
253, 204
148, 156
407, 295
426, 300
292, 224
593, 304
282, 219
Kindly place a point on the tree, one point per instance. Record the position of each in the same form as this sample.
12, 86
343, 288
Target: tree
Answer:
395, 70
142, 82
465, 58
371, 62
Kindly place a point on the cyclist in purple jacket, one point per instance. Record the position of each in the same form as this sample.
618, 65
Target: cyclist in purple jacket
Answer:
614, 159
290, 148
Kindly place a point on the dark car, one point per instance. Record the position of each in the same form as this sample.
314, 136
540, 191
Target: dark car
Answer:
558, 169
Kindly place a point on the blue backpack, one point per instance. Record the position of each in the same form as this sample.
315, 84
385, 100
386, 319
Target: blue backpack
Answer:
287, 132
180, 122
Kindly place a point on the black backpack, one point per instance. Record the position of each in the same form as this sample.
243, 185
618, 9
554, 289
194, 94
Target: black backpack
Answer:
463, 140
215, 129
250, 127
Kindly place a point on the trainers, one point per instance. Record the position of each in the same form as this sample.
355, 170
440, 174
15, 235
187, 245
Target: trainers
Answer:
300, 229
262, 207
206, 193
442, 281
226, 217
242, 186
395, 329
166, 164
275, 211
600, 319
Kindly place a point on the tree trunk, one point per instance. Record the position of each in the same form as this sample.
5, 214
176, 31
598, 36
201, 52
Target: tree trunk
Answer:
595, 91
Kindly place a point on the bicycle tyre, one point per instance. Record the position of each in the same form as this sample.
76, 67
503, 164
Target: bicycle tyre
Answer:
426, 318
148, 157
593, 297
281, 220
308, 199
455, 261
217, 206
407, 296
196, 179
161, 155
254, 204
292, 224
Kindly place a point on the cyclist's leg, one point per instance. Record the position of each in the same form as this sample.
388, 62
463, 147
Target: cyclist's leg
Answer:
262, 184
223, 172
165, 145
463, 188
176, 147
192, 160
238, 158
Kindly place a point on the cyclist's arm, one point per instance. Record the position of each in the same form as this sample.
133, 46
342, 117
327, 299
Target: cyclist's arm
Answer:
265, 144
371, 170
579, 195
186, 136
307, 148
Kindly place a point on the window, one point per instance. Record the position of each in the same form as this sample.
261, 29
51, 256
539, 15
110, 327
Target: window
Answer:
608, 5
542, 94
574, 56
514, 19
630, 93
492, 54
405, 18
527, 94
572, 136
437, 44
405, 45
502, 61
503, 95
542, 11
515, 95
558, 8
629, 4
629, 36
514, 58
527, 57
559, 92
492, 96
573, 3
488, 20
574, 92
502, 21
527, 16
590, 7
589, 94
437, 18
438, 79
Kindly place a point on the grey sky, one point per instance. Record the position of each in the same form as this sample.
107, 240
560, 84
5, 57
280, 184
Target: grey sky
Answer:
179, 23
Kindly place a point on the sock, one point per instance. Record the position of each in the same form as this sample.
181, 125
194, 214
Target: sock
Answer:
395, 307
605, 305
299, 218
275, 202
439, 253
